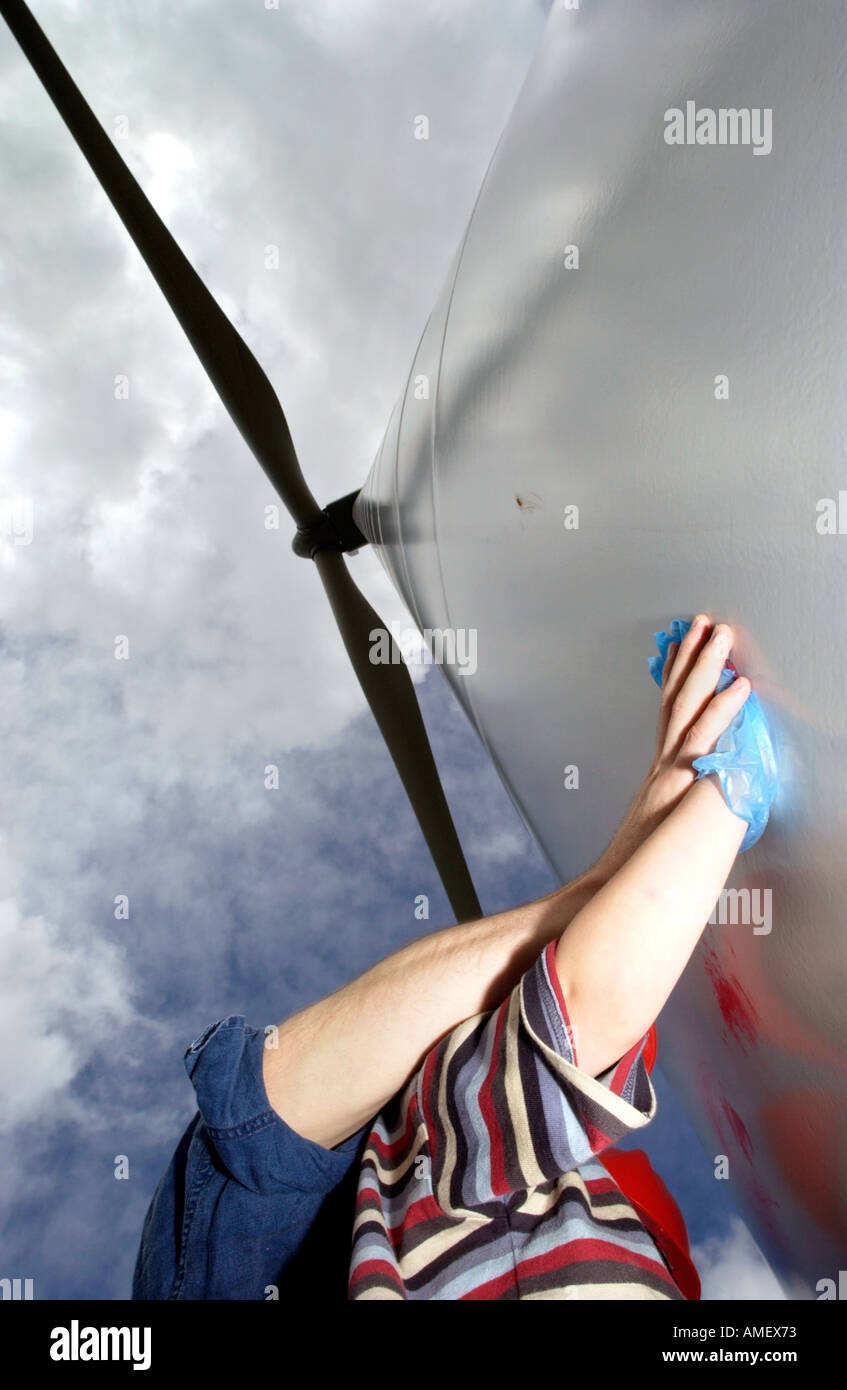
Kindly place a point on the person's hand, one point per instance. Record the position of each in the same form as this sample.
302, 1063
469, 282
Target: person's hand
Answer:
691, 720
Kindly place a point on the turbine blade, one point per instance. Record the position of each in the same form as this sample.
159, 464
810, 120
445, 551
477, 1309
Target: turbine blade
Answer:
254, 408
233, 370
389, 691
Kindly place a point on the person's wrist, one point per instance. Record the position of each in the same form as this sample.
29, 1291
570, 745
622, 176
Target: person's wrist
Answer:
665, 785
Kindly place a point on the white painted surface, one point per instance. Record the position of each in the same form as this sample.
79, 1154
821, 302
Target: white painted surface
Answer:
596, 386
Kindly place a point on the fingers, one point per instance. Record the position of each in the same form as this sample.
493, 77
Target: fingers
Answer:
704, 733
673, 648
697, 688
678, 663
682, 655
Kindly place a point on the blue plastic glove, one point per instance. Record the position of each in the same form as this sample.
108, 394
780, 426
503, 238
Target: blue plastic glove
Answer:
744, 758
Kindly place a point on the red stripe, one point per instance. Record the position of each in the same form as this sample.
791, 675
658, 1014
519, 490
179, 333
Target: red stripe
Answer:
623, 1069
499, 1185
596, 1138
557, 988
599, 1185
563, 1256
424, 1209
375, 1267
493, 1289
624, 1065
589, 1248
368, 1192
390, 1149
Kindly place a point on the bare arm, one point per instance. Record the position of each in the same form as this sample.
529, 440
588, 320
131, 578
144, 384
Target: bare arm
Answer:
338, 1061
624, 952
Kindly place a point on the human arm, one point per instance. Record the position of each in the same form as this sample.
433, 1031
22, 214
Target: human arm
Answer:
621, 956
623, 953
338, 1061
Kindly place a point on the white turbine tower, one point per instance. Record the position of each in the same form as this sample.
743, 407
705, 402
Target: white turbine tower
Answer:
627, 406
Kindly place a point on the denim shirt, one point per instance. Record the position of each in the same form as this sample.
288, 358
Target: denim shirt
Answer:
247, 1208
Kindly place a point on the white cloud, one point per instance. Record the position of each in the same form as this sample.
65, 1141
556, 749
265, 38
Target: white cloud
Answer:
246, 127
60, 998
245, 131
732, 1266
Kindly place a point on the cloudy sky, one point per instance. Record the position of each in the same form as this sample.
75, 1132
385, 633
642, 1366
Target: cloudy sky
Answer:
248, 128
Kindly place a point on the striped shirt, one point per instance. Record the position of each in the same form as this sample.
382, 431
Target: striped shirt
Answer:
482, 1179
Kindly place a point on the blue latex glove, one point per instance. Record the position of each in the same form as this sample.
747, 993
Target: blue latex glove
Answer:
744, 758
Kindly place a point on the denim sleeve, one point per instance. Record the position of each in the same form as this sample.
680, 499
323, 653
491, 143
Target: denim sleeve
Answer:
256, 1147
242, 1189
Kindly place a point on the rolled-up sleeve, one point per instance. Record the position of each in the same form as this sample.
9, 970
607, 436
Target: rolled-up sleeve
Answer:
506, 1105
242, 1192
254, 1144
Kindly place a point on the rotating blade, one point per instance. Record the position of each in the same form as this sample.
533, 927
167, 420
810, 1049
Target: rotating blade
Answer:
234, 372
255, 410
389, 691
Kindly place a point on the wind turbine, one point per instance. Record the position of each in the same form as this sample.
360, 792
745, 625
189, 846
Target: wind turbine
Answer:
640, 404
323, 534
